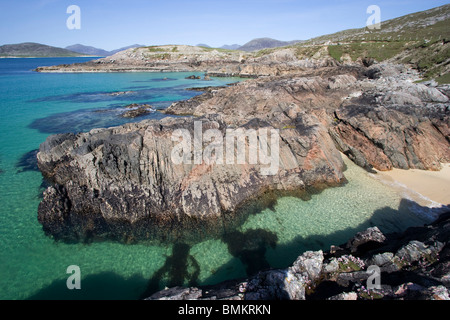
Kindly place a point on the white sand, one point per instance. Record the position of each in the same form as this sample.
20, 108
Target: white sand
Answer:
422, 186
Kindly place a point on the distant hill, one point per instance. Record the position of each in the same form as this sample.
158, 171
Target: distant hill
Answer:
88, 50
265, 43
97, 51
31, 49
231, 47
225, 46
411, 27
255, 45
127, 47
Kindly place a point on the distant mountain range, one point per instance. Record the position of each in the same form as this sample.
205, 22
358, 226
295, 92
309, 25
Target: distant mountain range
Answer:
88, 50
31, 49
231, 46
265, 43
256, 44
92, 51
225, 46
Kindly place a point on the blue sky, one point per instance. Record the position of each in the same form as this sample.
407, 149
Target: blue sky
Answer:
110, 24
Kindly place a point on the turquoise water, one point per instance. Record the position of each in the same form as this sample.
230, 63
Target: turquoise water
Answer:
33, 266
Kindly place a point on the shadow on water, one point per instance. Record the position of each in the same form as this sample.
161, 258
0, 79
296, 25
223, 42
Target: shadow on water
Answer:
180, 268
156, 80
101, 286
388, 220
151, 93
87, 119
28, 162
250, 247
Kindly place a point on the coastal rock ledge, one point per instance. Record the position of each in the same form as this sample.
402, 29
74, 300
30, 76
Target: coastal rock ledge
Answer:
414, 265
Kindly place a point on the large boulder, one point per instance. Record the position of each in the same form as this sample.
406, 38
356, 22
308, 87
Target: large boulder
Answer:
130, 182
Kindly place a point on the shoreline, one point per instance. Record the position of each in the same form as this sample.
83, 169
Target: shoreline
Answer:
427, 188
19, 57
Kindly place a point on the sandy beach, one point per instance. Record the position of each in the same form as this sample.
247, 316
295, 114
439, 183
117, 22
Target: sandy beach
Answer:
424, 187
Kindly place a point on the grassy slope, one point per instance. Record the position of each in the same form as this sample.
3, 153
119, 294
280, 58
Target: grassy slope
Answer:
420, 39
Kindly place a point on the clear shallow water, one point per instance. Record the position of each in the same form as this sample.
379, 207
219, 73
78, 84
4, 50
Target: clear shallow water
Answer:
34, 105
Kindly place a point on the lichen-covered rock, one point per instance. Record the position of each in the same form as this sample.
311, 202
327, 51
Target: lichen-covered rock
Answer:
177, 293
418, 252
303, 274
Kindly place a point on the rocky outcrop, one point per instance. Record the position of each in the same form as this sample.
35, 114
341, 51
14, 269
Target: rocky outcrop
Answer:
123, 183
180, 58
393, 123
277, 100
412, 265
385, 123
393, 137
135, 110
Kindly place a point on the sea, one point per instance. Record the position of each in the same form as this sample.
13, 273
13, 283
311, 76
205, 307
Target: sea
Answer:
35, 266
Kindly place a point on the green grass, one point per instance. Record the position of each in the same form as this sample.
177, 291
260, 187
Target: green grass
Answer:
208, 49
430, 58
163, 56
336, 52
444, 79
155, 49
264, 52
379, 50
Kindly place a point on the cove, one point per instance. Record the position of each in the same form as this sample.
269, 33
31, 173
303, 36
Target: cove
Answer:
33, 265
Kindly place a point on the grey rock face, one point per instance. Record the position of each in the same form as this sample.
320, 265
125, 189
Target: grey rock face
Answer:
388, 137
177, 293
366, 237
303, 274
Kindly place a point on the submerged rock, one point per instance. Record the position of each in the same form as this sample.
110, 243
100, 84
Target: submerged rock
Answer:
28, 162
137, 110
